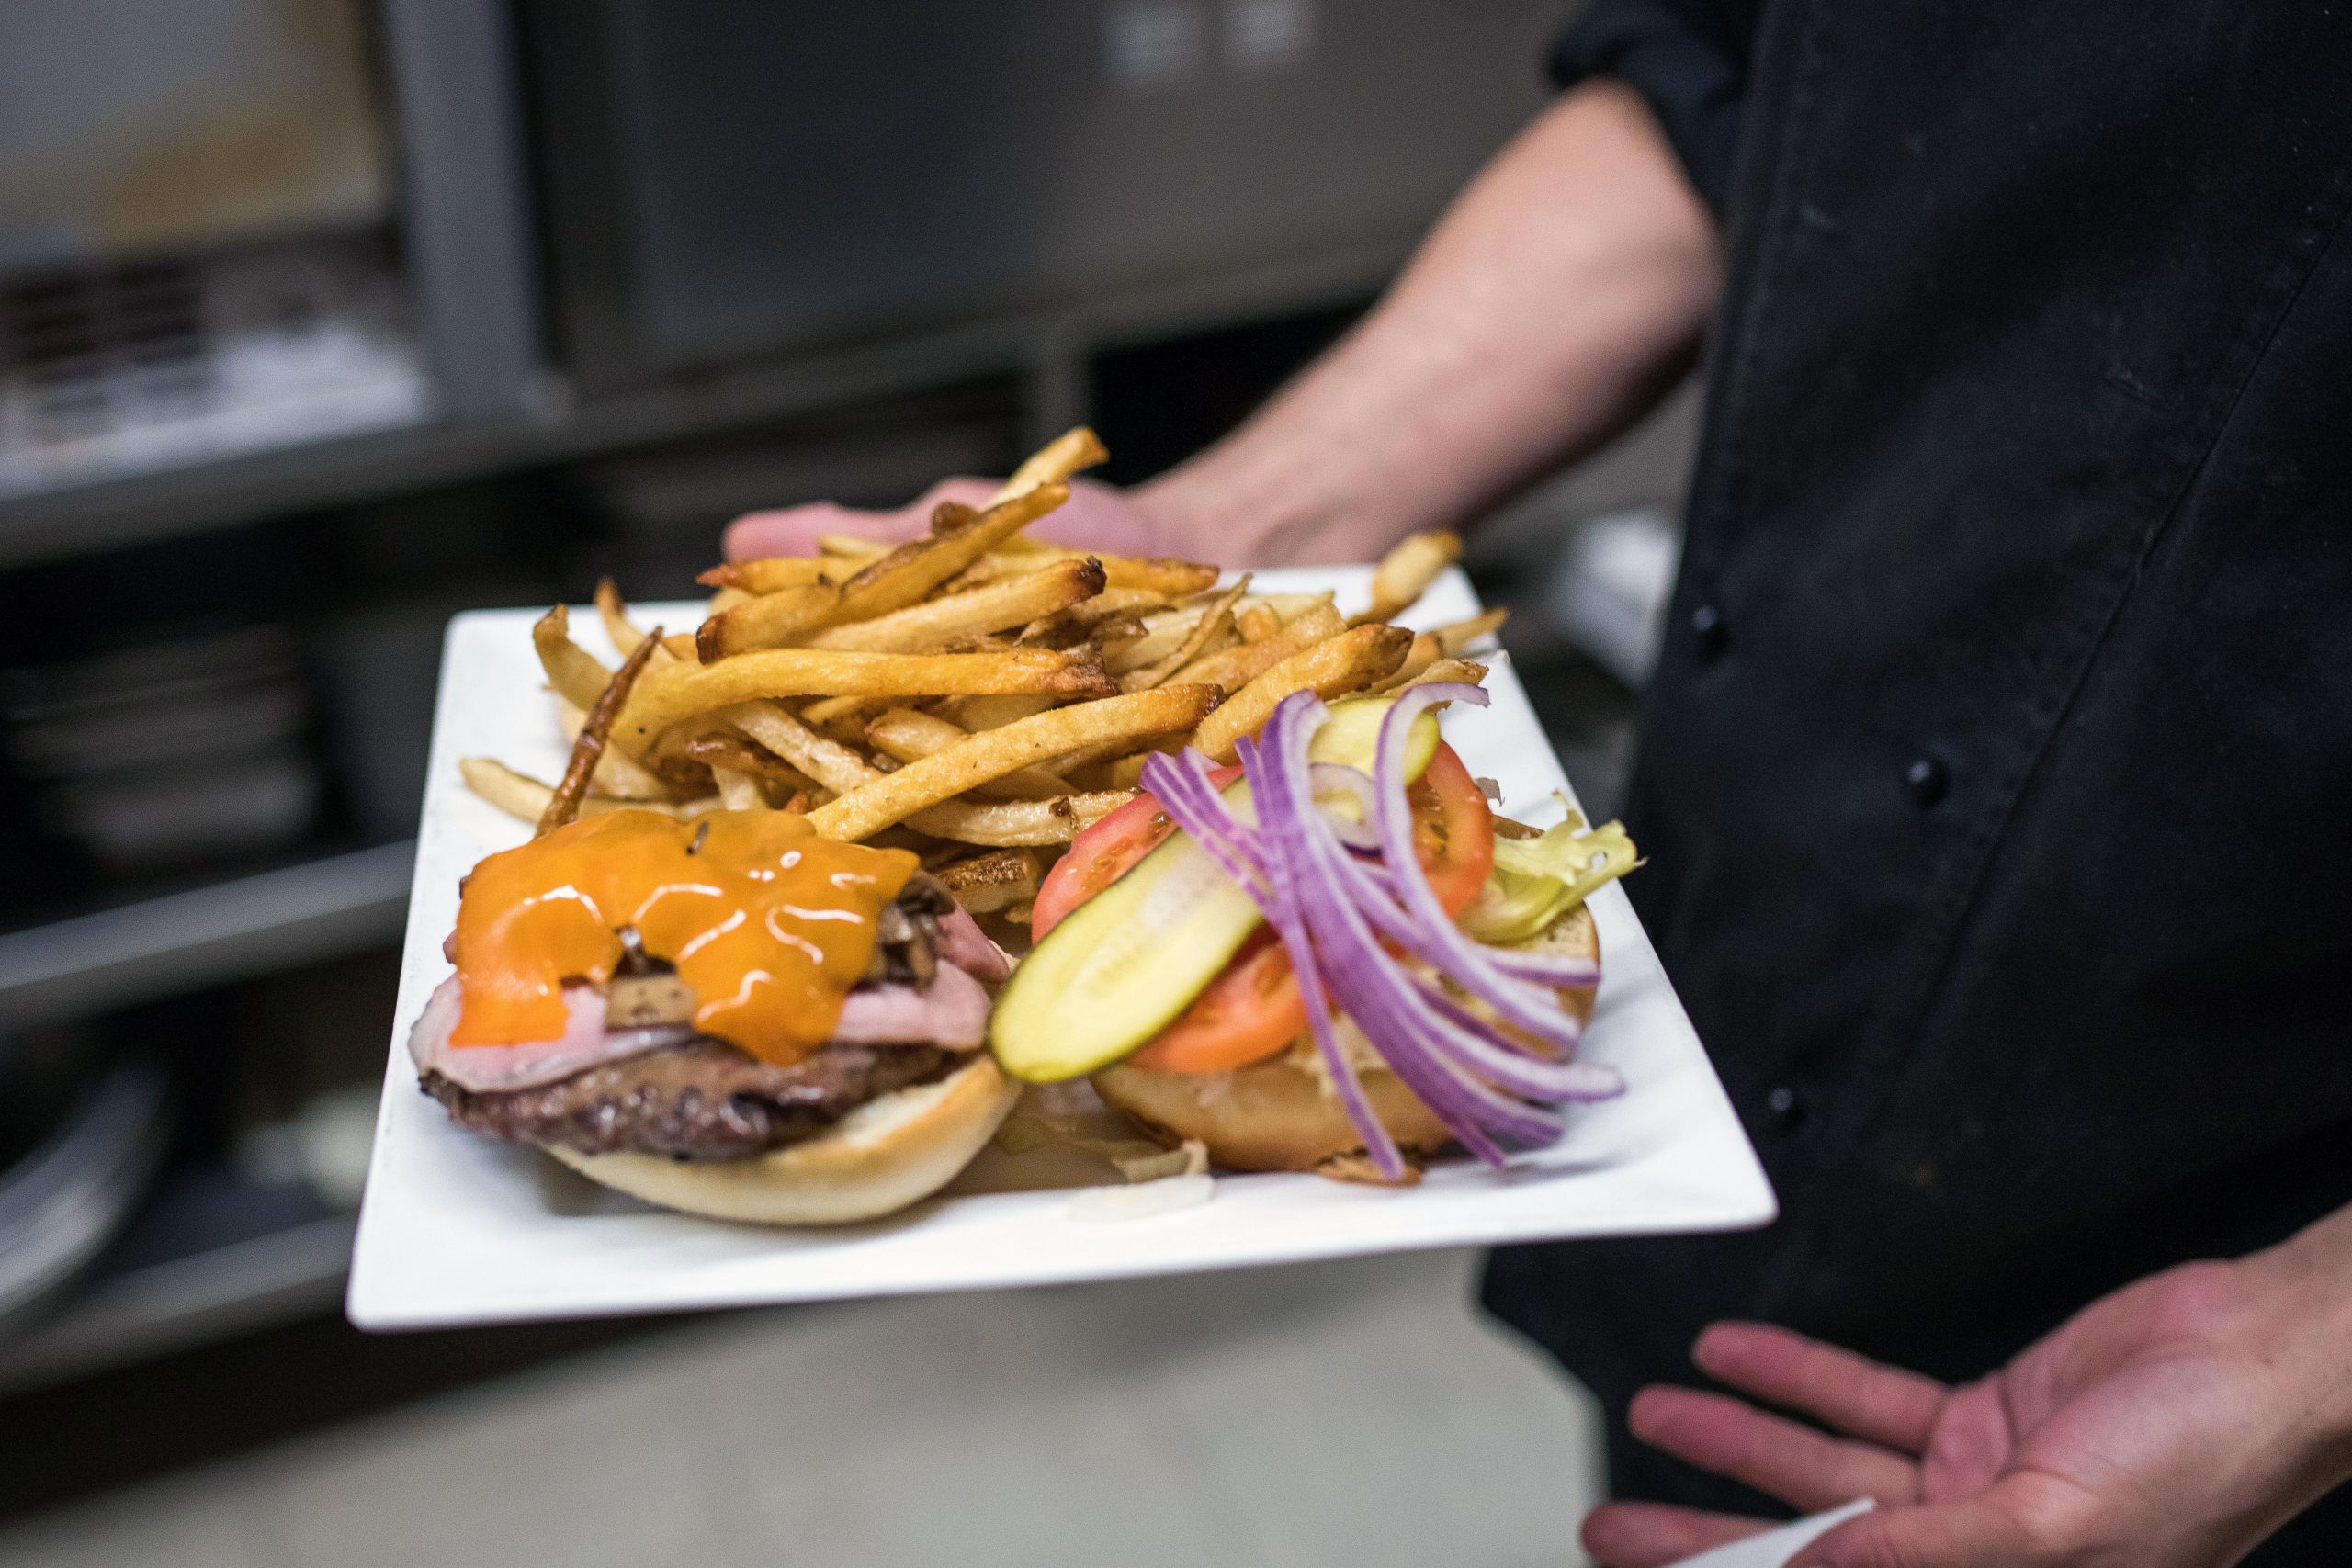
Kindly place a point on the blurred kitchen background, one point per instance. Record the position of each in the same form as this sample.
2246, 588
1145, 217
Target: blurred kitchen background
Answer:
321, 320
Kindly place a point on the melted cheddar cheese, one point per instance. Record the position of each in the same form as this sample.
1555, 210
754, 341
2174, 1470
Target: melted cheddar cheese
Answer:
766, 923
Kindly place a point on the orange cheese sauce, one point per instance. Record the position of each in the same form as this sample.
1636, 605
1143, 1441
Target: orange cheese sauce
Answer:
766, 923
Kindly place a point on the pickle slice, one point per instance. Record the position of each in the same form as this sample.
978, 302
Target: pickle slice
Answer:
1124, 964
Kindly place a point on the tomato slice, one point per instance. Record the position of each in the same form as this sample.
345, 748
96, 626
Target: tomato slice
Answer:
1252, 1009
1101, 854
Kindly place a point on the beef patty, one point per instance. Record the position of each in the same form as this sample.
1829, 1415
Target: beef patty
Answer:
700, 1100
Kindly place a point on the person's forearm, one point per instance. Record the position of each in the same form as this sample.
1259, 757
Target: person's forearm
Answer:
1558, 296
2311, 1271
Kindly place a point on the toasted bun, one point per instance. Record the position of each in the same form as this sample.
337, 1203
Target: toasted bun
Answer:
882, 1157
1277, 1115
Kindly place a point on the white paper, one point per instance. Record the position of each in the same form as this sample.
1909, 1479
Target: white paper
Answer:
1775, 1548
457, 1228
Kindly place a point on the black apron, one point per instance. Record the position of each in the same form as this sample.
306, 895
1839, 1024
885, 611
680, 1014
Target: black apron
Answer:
1997, 780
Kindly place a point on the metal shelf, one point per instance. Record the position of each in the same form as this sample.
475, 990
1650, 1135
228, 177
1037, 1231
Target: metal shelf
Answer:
207, 936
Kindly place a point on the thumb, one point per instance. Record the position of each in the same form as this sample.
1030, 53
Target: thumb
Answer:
1968, 1534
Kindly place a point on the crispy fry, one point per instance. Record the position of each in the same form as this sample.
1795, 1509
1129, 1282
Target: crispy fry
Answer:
830, 763
1469, 671
987, 884
1423, 654
990, 755
1213, 627
909, 736
589, 744
723, 601
1013, 603
1456, 635
739, 792
1235, 668
622, 633
1075, 448
1162, 575
1348, 663
773, 574
741, 757
767, 620
906, 574
1257, 622
1405, 573
670, 692
826, 711
993, 713
519, 795
618, 774
574, 673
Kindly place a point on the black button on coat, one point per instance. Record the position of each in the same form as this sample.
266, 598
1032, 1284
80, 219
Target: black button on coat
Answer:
2027, 484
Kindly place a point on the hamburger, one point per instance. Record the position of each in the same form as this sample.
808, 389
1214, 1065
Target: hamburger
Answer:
1332, 957
731, 1016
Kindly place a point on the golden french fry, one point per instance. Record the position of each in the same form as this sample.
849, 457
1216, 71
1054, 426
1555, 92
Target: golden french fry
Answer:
739, 756
1257, 622
1234, 668
992, 754
623, 634
909, 736
850, 545
618, 774
994, 712
1162, 575
988, 883
1117, 772
670, 692
1209, 634
1353, 659
767, 620
1405, 573
1452, 638
1423, 654
831, 763
1012, 603
907, 574
827, 711
1075, 448
578, 677
725, 600
1288, 607
519, 795
774, 574
588, 746
1469, 672
738, 791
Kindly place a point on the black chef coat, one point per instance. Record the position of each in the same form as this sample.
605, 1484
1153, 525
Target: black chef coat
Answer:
1996, 778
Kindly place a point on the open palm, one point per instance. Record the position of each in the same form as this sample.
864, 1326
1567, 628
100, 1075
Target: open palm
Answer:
2172, 1425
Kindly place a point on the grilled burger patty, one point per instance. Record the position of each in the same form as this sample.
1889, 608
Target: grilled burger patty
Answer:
703, 1099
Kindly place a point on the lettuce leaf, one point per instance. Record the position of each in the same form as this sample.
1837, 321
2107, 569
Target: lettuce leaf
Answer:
1536, 880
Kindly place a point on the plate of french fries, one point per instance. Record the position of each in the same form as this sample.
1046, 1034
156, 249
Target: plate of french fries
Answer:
978, 697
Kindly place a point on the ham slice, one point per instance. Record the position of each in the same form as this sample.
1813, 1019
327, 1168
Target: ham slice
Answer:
488, 1069
952, 1013
964, 944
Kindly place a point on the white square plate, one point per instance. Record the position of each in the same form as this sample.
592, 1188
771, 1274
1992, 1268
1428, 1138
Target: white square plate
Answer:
459, 1229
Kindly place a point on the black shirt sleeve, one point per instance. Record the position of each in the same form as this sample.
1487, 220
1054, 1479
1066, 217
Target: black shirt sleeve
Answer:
1687, 58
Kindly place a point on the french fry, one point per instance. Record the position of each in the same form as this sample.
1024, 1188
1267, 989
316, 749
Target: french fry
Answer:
1235, 668
725, 600
850, 545
740, 756
618, 774
767, 620
1005, 823
994, 712
588, 746
773, 574
1454, 638
1257, 622
1469, 671
986, 885
826, 712
1405, 573
906, 574
1013, 603
1288, 607
519, 795
1423, 653
909, 736
668, 693
980, 758
1075, 448
1211, 631
575, 674
1162, 575
738, 791
1353, 659
623, 633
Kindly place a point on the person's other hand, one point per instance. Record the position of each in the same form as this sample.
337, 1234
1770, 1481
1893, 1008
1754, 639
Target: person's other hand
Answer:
1096, 516
2172, 1425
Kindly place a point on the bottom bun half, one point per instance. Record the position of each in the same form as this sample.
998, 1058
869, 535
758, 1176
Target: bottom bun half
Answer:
880, 1157
1279, 1115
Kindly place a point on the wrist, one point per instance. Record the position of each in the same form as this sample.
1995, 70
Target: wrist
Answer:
2309, 1276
